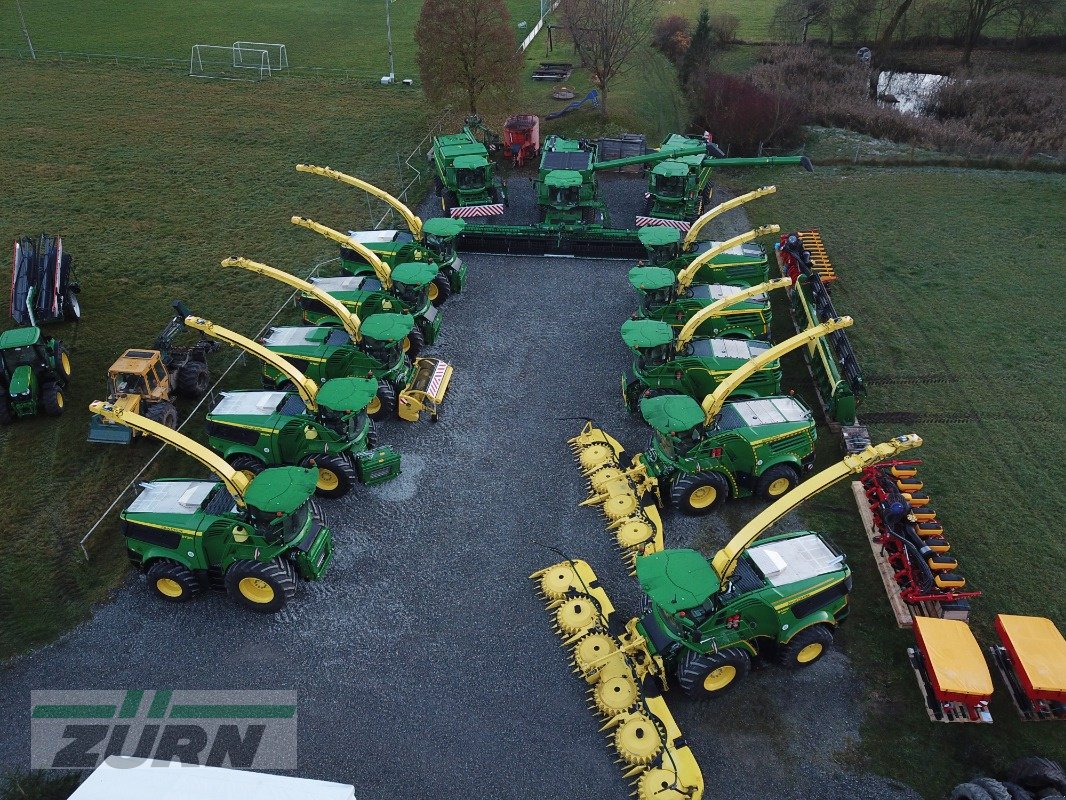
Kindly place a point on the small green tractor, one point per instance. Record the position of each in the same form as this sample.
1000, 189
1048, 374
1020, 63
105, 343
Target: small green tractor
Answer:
252, 538
676, 299
370, 348
432, 240
34, 372
465, 177
403, 289
691, 365
320, 427
679, 186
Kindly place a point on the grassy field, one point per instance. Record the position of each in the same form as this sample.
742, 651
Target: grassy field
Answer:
951, 276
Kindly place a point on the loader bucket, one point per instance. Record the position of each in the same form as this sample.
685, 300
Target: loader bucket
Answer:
108, 432
624, 680
620, 493
426, 390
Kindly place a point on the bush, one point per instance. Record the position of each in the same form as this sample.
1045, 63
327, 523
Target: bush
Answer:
672, 36
744, 116
725, 27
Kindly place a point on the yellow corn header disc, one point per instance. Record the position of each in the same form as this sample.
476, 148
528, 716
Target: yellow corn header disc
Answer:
604, 477
637, 739
557, 581
620, 506
615, 695
596, 455
633, 532
575, 615
591, 650
660, 784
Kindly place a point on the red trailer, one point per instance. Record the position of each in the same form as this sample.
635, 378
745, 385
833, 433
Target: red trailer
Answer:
951, 669
521, 137
1032, 661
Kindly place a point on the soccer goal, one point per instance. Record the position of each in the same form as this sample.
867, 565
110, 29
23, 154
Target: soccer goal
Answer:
229, 62
278, 57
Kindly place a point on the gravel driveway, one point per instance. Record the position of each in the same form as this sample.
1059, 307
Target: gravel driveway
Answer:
425, 665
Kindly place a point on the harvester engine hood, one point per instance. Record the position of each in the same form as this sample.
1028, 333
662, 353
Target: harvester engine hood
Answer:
346, 395
676, 580
671, 414
280, 491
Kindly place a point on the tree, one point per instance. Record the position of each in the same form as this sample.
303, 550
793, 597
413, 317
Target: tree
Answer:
606, 35
978, 14
672, 37
467, 51
803, 13
884, 45
699, 58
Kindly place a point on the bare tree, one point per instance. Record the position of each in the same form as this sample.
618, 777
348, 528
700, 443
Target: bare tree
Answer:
467, 51
607, 34
802, 13
978, 14
884, 44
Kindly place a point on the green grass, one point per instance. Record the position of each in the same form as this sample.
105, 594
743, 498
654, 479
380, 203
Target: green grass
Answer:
951, 274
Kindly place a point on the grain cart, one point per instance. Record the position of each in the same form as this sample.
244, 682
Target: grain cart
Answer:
432, 240
34, 373
44, 286
705, 623
701, 454
676, 299
694, 366
521, 138
403, 289
368, 348
465, 178
678, 187
253, 538
147, 382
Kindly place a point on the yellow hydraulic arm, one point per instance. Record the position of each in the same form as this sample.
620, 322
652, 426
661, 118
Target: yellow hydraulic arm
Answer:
713, 402
350, 321
414, 222
718, 210
718, 306
236, 482
305, 387
725, 560
381, 269
685, 277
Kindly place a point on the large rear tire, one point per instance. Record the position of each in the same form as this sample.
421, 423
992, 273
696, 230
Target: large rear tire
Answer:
172, 581
250, 466
261, 586
1035, 773
440, 290
194, 379
969, 791
63, 366
336, 474
383, 405
776, 481
703, 676
806, 647
413, 343
699, 494
164, 413
52, 400
995, 789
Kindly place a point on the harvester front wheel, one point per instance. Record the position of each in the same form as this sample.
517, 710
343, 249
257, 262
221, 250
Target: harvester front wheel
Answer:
263, 586
384, 403
172, 581
413, 343
700, 493
249, 466
336, 475
439, 290
52, 400
806, 647
706, 675
371, 435
194, 380
62, 362
776, 481
164, 413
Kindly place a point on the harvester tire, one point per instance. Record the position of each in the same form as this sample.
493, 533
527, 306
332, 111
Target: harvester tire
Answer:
262, 586
1015, 791
62, 362
703, 676
172, 581
969, 791
1036, 773
52, 400
776, 481
164, 413
700, 493
413, 343
383, 405
194, 380
805, 647
5, 411
995, 789
440, 290
336, 474
249, 465
371, 435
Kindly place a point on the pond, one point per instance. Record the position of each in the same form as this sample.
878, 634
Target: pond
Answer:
912, 91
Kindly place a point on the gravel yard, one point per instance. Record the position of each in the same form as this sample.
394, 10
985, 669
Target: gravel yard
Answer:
425, 665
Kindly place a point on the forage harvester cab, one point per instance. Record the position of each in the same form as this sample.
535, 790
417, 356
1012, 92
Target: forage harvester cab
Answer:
433, 240
255, 539
465, 177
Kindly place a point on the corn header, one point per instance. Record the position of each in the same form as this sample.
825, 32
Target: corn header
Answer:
705, 623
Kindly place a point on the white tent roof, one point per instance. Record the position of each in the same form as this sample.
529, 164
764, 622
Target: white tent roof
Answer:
121, 778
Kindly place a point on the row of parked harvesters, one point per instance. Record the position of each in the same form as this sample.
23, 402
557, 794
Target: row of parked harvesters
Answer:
310, 431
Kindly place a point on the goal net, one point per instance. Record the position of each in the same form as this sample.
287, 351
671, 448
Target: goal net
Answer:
229, 62
277, 56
